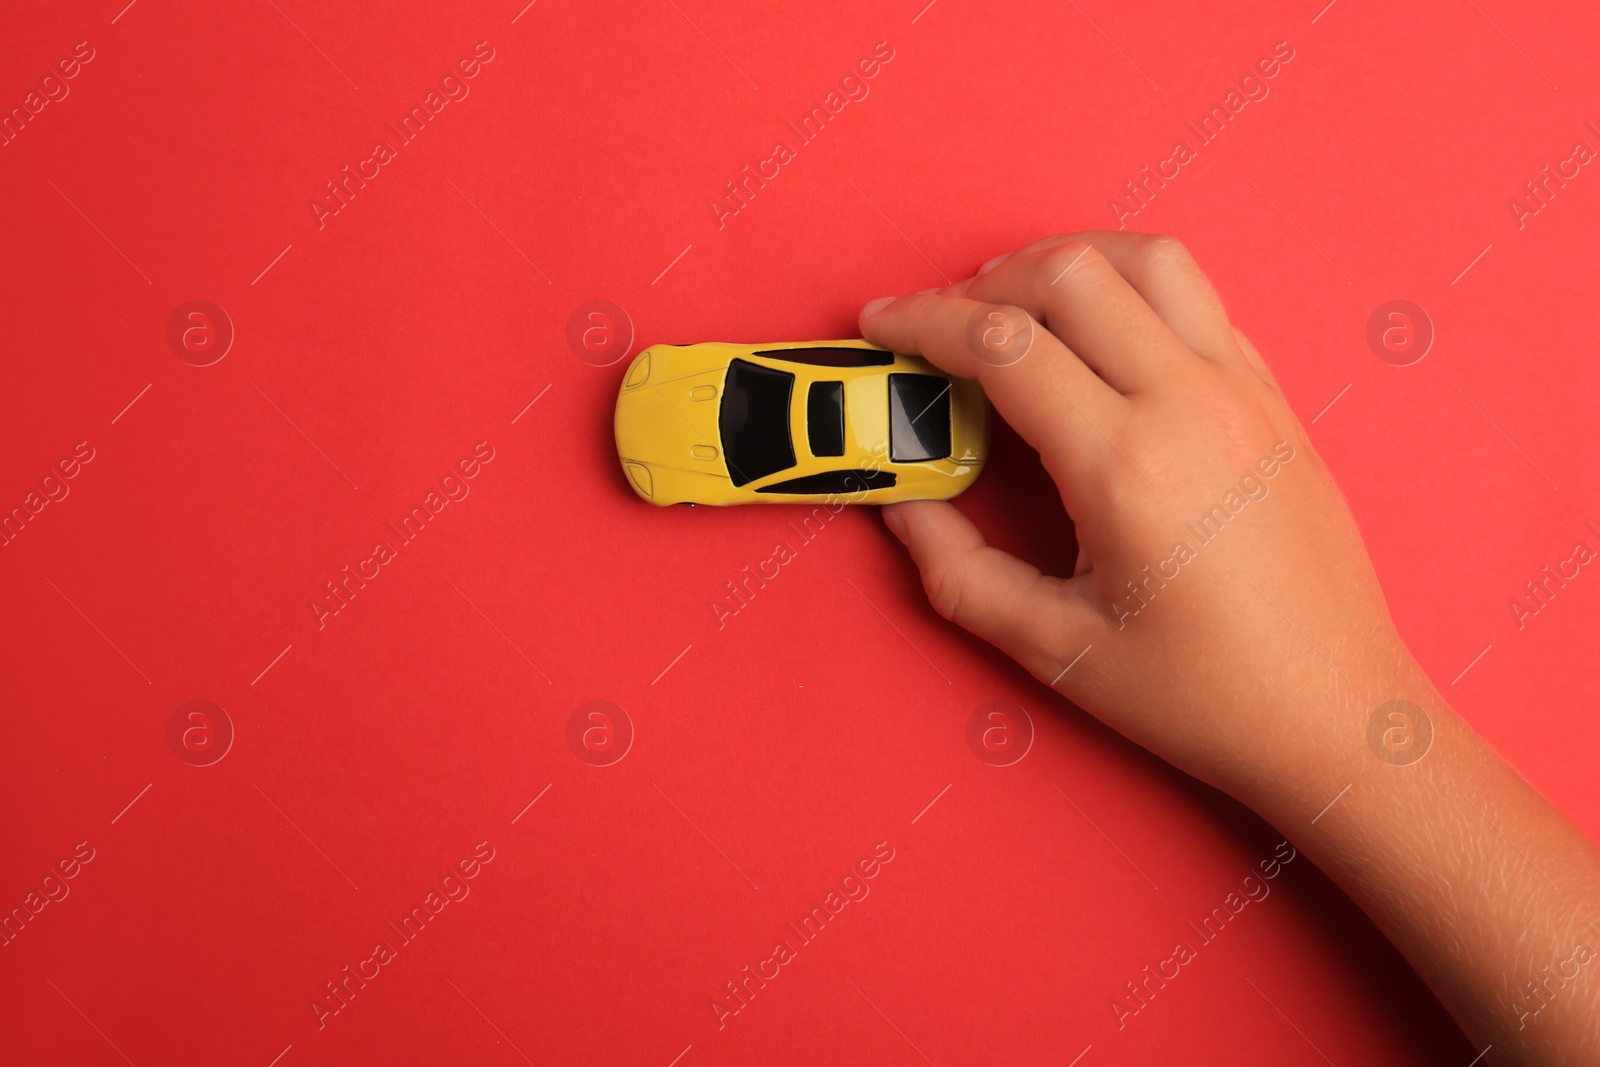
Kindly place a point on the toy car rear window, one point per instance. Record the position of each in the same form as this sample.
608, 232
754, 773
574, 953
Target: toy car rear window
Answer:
919, 417
754, 421
834, 482
831, 357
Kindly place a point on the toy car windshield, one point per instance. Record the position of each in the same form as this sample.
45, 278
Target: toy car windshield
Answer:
754, 421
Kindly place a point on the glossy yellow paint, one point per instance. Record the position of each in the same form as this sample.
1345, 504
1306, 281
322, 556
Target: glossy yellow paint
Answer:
671, 449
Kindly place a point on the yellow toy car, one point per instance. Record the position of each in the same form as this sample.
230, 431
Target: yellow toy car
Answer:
810, 421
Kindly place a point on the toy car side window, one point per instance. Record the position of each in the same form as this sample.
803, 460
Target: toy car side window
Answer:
825, 418
919, 417
824, 356
753, 421
841, 482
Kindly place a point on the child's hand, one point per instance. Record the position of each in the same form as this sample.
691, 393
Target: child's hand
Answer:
1224, 614
1252, 605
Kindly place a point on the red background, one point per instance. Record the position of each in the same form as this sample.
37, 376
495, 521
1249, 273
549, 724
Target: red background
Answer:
771, 755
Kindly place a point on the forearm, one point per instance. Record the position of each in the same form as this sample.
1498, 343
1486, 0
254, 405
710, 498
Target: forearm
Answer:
1491, 894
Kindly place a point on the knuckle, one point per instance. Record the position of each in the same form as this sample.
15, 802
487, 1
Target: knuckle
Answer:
1070, 257
944, 584
1238, 421
1045, 243
918, 308
1163, 250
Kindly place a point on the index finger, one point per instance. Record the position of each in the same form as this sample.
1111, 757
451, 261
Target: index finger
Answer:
1035, 382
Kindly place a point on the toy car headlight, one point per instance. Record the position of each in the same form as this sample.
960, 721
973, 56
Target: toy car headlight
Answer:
639, 373
641, 477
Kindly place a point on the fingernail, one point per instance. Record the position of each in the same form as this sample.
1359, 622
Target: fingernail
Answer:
993, 263
928, 292
895, 521
872, 307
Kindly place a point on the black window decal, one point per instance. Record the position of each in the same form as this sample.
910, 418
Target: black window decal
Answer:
841, 482
919, 417
831, 357
754, 421
825, 418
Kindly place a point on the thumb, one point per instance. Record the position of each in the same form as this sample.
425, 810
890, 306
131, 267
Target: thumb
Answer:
1039, 621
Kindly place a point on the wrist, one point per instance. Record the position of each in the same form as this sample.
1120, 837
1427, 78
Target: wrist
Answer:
1459, 861
1378, 718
